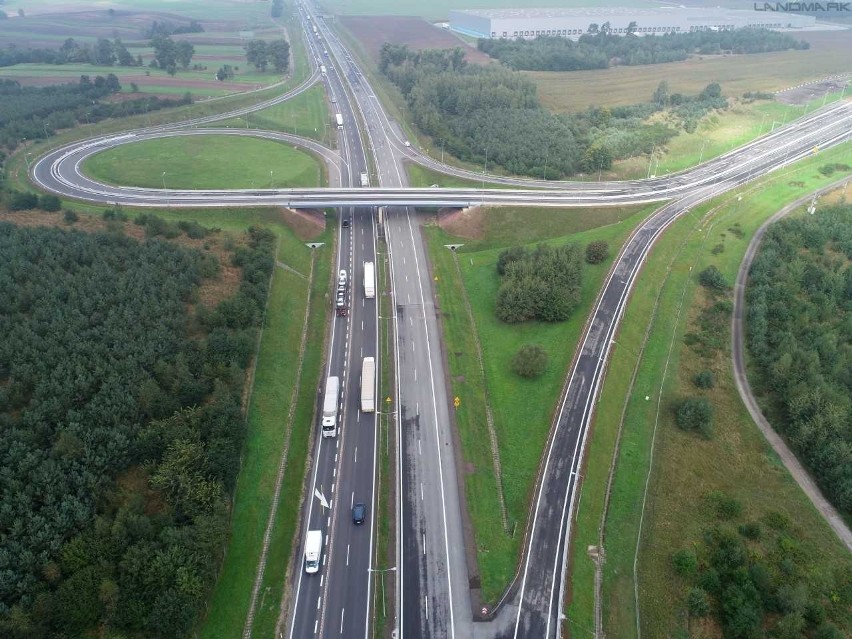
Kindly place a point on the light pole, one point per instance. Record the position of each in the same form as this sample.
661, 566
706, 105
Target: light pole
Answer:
164, 180
650, 160
270, 178
442, 151
701, 155
546, 157
485, 169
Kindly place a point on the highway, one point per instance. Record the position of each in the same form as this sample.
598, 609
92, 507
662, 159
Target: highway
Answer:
432, 581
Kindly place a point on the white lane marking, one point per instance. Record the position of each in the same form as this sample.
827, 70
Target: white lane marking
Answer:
356, 454
421, 491
362, 325
319, 601
417, 408
415, 374
342, 610
411, 321
403, 260
419, 447
316, 623
427, 606
347, 554
332, 488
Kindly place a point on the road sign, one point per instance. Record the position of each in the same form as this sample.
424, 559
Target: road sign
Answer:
388, 399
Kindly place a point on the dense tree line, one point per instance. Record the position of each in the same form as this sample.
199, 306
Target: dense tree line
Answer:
261, 53
540, 284
167, 28
799, 326
120, 429
168, 54
751, 576
32, 113
599, 48
491, 115
105, 52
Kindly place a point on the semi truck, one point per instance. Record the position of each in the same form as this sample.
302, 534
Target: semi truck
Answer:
323, 69
313, 551
369, 280
365, 180
339, 119
368, 385
329, 407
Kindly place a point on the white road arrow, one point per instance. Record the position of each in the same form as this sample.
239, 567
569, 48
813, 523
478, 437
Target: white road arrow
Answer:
321, 497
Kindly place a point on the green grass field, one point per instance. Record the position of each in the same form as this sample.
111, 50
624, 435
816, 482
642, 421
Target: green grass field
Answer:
305, 114
205, 162
522, 409
622, 85
736, 461
209, 9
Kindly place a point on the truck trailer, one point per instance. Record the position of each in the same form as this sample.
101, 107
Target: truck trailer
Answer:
323, 69
368, 385
329, 407
313, 551
369, 280
339, 119
365, 180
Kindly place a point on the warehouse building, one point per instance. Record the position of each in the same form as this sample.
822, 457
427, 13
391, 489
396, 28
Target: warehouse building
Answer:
572, 23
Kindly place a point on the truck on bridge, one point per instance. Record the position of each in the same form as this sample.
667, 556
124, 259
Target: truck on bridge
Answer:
368, 385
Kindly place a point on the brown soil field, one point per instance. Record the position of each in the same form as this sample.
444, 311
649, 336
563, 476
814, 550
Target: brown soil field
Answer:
305, 223
469, 223
373, 31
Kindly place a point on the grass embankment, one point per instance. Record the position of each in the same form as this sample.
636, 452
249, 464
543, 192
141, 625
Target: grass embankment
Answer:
522, 408
205, 162
736, 461
305, 114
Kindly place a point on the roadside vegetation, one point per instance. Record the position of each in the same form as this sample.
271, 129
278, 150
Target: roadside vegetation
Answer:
205, 162
799, 298
126, 490
729, 545
522, 407
599, 48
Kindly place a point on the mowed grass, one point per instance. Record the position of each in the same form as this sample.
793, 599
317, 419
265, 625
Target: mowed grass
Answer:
622, 85
736, 461
205, 162
522, 409
305, 114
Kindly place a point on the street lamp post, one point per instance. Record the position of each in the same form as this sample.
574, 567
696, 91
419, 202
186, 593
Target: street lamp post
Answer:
270, 178
442, 151
546, 157
164, 180
485, 169
651, 160
701, 155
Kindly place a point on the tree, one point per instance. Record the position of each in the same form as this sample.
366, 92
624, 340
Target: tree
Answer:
165, 51
104, 53
22, 201
257, 54
661, 94
698, 603
225, 72
597, 252
124, 57
279, 54
711, 277
695, 413
183, 53
685, 562
632, 27
530, 361
704, 379
712, 90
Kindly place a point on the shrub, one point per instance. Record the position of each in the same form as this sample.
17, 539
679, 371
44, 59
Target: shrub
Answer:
711, 277
49, 202
597, 252
751, 530
828, 631
705, 379
695, 413
728, 507
530, 361
22, 201
685, 562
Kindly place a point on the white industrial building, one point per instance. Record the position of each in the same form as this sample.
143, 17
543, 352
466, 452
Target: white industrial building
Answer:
572, 23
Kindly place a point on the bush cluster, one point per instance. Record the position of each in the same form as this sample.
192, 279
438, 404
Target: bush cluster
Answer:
541, 284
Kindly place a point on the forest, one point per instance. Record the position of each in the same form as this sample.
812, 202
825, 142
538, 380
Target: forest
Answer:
491, 115
600, 49
120, 428
35, 113
799, 335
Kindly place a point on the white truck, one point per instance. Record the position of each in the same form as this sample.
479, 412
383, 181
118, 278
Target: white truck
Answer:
368, 385
339, 119
323, 70
369, 280
329, 407
365, 180
313, 551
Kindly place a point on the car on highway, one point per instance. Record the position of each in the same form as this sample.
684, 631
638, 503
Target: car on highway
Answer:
342, 276
407, 143
359, 513
345, 222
